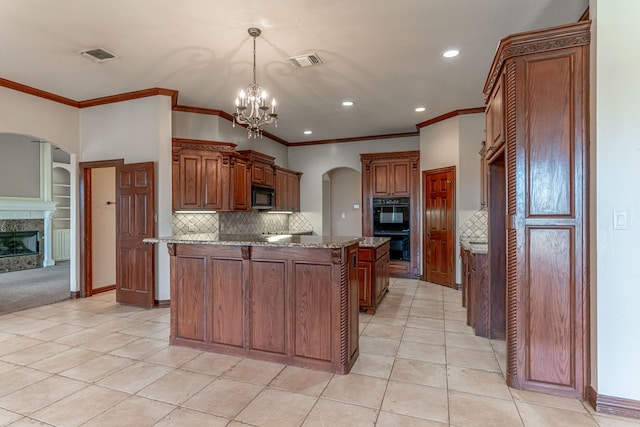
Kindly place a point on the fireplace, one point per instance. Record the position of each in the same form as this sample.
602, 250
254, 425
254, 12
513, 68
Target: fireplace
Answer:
18, 243
22, 244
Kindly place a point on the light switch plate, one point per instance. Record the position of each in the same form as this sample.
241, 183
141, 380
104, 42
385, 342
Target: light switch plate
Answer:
620, 220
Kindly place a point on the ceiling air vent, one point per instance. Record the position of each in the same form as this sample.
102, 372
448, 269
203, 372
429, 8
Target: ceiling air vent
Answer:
97, 54
306, 60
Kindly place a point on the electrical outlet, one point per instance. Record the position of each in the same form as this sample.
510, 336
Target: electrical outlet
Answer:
191, 227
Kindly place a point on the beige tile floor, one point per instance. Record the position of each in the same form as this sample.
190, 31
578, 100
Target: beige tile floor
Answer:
92, 362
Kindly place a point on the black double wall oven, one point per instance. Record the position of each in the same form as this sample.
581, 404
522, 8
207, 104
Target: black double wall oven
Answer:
391, 217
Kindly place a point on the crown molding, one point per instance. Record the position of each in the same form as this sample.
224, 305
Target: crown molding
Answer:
449, 115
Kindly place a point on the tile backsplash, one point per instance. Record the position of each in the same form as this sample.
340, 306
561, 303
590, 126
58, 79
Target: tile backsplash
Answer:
252, 222
476, 228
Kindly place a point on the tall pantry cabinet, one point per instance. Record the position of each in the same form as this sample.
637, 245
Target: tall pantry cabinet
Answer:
537, 95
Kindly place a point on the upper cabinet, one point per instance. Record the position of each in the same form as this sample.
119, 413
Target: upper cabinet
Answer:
262, 168
287, 190
209, 176
391, 177
495, 117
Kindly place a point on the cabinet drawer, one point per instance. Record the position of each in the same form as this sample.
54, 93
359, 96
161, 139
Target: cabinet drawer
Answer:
365, 254
381, 250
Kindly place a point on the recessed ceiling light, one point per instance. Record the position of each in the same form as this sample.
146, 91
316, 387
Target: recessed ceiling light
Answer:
451, 53
347, 103
420, 109
307, 132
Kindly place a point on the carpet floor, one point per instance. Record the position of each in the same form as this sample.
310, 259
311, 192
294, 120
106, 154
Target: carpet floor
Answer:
24, 289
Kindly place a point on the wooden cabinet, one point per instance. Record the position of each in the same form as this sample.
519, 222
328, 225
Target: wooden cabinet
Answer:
495, 131
262, 168
373, 276
209, 175
287, 190
475, 290
200, 180
389, 175
390, 178
297, 306
544, 79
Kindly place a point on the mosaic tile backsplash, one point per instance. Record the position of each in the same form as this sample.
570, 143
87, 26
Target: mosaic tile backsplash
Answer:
475, 228
239, 223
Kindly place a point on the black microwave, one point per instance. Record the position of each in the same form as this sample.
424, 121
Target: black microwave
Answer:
262, 197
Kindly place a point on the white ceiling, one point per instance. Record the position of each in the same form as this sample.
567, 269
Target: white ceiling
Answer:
384, 55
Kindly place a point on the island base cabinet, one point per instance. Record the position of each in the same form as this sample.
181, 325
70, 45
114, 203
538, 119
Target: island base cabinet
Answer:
291, 305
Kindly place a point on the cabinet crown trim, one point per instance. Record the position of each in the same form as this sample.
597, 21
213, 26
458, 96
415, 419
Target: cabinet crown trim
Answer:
526, 43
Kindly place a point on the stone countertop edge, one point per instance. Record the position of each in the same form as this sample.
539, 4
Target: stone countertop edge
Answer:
476, 248
259, 240
373, 242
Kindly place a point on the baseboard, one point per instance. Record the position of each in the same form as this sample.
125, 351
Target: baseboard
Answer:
162, 303
74, 294
613, 405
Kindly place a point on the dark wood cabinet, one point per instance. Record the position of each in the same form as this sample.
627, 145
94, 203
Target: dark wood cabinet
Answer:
475, 290
209, 175
200, 173
391, 178
544, 80
373, 276
287, 190
289, 305
494, 124
262, 168
240, 177
393, 174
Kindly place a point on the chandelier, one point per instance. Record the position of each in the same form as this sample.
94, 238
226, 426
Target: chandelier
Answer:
251, 104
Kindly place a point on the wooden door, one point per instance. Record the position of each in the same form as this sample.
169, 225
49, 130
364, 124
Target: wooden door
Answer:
212, 194
439, 185
135, 207
190, 180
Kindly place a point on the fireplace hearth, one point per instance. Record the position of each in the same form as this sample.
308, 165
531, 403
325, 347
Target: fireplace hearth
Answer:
19, 243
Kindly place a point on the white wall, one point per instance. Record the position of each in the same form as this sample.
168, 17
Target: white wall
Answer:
456, 142
136, 131
103, 227
346, 191
213, 128
616, 152
315, 160
30, 115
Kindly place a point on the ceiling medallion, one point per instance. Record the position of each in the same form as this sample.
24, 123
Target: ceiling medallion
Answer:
251, 104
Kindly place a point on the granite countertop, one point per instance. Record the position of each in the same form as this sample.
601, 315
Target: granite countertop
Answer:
280, 240
475, 247
373, 242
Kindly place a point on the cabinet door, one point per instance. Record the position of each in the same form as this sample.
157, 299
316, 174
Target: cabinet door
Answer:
400, 178
281, 190
269, 176
212, 181
380, 179
190, 185
495, 118
241, 185
364, 283
188, 302
381, 276
293, 191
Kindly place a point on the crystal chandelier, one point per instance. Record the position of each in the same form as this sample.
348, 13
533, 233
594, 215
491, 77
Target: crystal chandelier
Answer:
251, 105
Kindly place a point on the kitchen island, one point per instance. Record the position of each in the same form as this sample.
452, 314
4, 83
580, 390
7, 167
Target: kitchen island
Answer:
286, 299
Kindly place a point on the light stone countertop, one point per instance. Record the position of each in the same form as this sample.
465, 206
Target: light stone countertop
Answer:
280, 240
373, 242
475, 247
